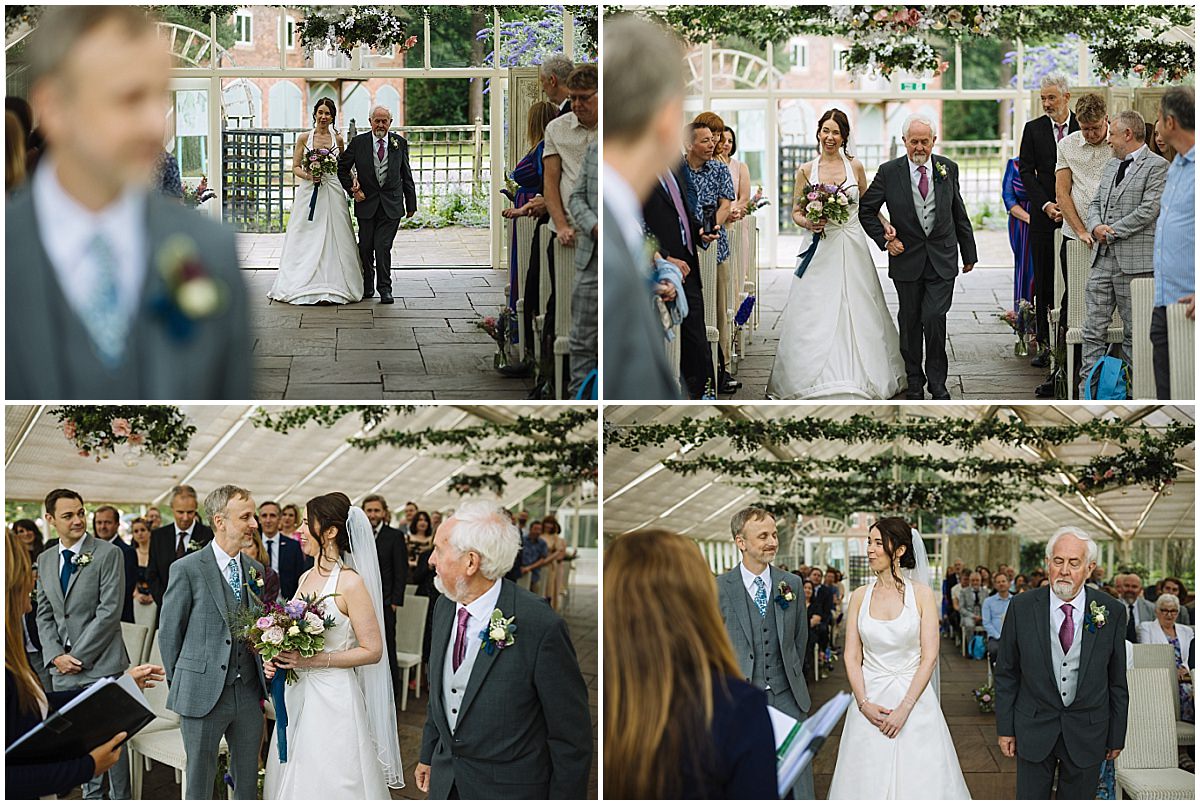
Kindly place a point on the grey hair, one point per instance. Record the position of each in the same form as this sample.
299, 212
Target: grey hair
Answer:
1057, 80
1167, 598
644, 65
1093, 550
484, 528
218, 499
1132, 120
183, 490
740, 518
558, 66
377, 108
1179, 103
908, 121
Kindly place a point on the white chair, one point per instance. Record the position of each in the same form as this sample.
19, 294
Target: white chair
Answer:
1160, 655
539, 312
1181, 342
1079, 267
409, 589
1054, 311
526, 228
708, 284
145, 615
410, 636
1148, 766
564, 286
1142, 293
753, 281
137, 640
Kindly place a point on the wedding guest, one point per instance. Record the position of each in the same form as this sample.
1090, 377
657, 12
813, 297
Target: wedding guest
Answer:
969, 603
1177, 588
257, 551
1016, 201
435, 520
553, 73
643, 112
392, 550
534, 551
281, 554
97, 76
153, 518
14, 153
1156, 143
410, 511
32, 137
166, 176
1121, 218
145, 610
815, 627
1175, 230
680, 722
79, 613
289, 521
1139, 610
554, 573
1020, 583
29, 536
1166, 630
583, 205
738, 172
185, 535
985, 578
1037, 161
422, 576
106, 522
994, 608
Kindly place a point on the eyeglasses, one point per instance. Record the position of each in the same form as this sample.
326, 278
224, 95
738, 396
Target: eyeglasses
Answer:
582, 98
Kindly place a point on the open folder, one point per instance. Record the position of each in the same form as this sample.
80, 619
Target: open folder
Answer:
90, 719
797, 742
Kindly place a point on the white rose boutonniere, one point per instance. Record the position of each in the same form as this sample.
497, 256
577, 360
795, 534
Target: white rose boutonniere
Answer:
500, 633
83, 560
939, 168
395, 141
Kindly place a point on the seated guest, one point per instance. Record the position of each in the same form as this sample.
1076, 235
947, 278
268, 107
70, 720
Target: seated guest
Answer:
969, 603
29, 536
1177, 588
1121, 218
258, 552
680, 722
994, 608
1166, 630
1020, 584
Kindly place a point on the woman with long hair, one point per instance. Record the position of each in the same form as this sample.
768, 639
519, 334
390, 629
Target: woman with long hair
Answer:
679, 720
144, 608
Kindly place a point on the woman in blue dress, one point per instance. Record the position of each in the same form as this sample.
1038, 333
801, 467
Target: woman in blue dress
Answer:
1016, 202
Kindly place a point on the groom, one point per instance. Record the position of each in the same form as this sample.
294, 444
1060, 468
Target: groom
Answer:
385, 193
931, 224
216, 683
1061, 698
769, 629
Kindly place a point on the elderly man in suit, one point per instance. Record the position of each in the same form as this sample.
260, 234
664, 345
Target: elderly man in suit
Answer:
764, 614
216, 682
1121, 218
643, 113
122, 293
585, 321
508, 713
186, 534
80, 592
1137, 608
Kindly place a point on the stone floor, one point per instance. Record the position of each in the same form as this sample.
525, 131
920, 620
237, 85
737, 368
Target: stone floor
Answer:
451, 246
580, 615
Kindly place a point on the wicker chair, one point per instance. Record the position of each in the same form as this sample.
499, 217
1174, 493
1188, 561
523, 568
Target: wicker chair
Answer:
673, 356
1147, 767
708, 282
539, 313
526, 228
1160, 655
1079, 267
732, 288
1142, 292
564, 285
137, 642
1181, 337
1054, 311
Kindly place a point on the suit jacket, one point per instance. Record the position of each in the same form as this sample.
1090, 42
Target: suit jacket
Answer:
1153, 633
663, 222
162, 554
392, 548
292, 563
86, 622
398, 193
822, 604
209, 361
951, 231
524, 730
131, 573
743, 764
1028, 703
1130, 208
194, 634
793, 630
581, 204
1037, 159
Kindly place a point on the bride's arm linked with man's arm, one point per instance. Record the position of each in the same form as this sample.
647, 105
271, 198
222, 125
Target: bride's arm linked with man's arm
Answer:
361, 612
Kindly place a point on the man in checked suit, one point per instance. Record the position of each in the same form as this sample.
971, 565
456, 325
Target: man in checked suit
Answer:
763, 610
585, 317
1121, 218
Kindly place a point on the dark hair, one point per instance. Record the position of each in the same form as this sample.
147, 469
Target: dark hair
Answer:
843, 124
1183, 590
329, 511
896, 533
326, 102
375, 499
1180, 103
38, 541
20, 107
61, 494
732, 141
417, 518
585, 76
270, 503
695, 126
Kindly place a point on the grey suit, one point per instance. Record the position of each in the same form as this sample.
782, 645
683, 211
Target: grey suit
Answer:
216, 684
771, 647
49, 354
584, 299
523, 730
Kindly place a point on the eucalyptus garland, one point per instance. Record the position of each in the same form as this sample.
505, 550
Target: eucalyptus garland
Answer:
326, 416
162, 431
464, 484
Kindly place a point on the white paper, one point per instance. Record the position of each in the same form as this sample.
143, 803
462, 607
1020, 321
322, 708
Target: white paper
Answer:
805, 740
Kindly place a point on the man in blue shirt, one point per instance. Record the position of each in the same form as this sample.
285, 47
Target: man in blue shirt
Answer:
1175, 236
994, 608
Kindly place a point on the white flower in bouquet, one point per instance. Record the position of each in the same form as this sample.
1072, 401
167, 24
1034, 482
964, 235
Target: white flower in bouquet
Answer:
274, 636
293, 630
815, 206
842, 200
313, 623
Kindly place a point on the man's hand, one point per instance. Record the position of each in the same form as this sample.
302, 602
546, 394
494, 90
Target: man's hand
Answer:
1111, 754
1053, 212
410, 213
895, 247
1008, 745
146, 675
66, 664
683, 267
566, 236
359, 196
1190, 301
423, 777
1104, 233
968, 267
665, 291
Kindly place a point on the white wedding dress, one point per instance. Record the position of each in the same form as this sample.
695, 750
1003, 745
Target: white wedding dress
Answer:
837, 338
330, 751
920, 762
320, 261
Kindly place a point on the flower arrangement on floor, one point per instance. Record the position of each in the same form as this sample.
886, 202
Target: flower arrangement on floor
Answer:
1021, 321
97, 431
499, 328
195, 196
985, 697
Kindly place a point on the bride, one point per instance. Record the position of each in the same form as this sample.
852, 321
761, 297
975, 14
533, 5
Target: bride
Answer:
896, 744
838, 338
320, 262
341, 732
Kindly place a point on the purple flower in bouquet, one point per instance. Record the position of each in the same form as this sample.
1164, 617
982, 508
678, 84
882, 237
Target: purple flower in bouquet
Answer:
294, 609
264, 622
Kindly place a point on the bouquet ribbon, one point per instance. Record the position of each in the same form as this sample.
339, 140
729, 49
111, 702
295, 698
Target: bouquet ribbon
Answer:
278, 686
312, 203
807, 255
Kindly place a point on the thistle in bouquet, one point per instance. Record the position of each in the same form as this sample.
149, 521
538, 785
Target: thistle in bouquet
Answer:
299, 625
1021, 320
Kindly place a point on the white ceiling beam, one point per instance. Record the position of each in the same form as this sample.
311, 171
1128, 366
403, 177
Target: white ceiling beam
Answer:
211, 454
13, 445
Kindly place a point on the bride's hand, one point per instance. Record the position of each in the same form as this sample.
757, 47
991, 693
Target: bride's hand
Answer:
889, 231
895, 720
289, 660
875, 714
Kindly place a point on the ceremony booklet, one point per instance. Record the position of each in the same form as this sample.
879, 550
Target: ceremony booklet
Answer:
797, 743
109, 706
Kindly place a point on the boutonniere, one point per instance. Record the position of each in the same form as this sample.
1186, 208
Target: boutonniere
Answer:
939, 170
785, 597
83, 560
191, 292
1095, 617
193, 545
394, 141
255, 579
499, 634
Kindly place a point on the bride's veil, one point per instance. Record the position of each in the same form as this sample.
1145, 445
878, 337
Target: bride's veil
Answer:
924, 575
376, 679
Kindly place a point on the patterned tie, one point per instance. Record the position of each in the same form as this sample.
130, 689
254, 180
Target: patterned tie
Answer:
460, 639
181, 545
677, 200
1124, 166
760, 596
923, 183
106, 323
379, 151
68, 567
235, 580
1066, 632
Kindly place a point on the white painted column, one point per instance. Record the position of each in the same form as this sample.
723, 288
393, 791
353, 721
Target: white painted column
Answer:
772, 164
496, 151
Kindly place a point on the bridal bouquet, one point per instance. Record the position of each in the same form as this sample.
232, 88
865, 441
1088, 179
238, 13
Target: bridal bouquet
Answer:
299, 625
757, 201
320, 162
823, 204
1020, 319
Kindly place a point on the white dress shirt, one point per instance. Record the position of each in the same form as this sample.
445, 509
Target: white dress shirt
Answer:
271, 543
224, 560
748, 579
481, 614
67, 228
74, 549
187, 534
627, 211
1057, 616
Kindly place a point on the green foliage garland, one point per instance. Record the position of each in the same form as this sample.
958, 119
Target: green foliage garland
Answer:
97, 430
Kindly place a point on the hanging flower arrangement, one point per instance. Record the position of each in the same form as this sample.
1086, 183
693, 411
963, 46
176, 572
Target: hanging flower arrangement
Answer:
882, 59
98, 431
347, 27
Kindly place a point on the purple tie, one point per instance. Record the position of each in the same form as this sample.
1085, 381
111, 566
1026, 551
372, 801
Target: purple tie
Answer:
677, 200
923, 183
1058, 131
1066, 632
460, 640
380, 150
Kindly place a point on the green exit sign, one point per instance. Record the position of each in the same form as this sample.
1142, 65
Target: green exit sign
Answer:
911, 86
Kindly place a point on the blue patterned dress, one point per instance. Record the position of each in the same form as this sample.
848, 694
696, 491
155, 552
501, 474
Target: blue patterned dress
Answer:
706, 187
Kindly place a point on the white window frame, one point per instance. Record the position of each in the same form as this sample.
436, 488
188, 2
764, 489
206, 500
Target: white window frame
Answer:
838, 62
248, 16
289, 38
800, 47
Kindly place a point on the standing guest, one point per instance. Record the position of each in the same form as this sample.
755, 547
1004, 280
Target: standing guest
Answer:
738, 172
32, 137
281, 554
1096, 580
145, 611
30, 536
1165, 629
822, 607
1138, 609
556, 554
534, 551
553, 74
1175, 230
289, 521
1016, 201
392, 550
423, 577
80, 592
106, 522
814, 627
767, 636
435, 520
1156, 142
583, 205
995, 606
1176, 587
153, 518
256, 550
14, 153
410, 511
1121, 219
185, 535
680, 721
166, 176
1037, 161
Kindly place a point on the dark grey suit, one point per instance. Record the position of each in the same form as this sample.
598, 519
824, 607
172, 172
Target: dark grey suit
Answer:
924, 273
524, 730
168, 356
